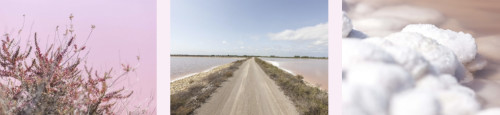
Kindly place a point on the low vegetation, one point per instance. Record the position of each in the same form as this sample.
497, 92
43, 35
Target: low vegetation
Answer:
186, 101
307, 99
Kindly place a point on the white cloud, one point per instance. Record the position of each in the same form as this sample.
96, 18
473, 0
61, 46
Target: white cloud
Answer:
318, 34
255, 37
224, 42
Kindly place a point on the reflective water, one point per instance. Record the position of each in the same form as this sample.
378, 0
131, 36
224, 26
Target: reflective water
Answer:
182, 66
315, 71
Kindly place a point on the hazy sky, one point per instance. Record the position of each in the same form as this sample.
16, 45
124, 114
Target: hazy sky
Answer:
124, 30
250, 27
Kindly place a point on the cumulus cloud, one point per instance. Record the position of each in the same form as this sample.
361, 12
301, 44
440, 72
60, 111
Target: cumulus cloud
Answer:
318, 34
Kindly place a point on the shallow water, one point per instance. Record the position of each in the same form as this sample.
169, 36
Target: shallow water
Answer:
315, 71
182, 66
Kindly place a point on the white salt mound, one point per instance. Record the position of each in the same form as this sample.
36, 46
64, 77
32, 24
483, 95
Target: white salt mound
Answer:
386, 78
414, 102
371, 85
349, 104
411, 60
431, 84
364, 100
354, 52
434, 84
346, 26
440, 57
456, 102
464, 90
448, 80
492, 111
454, 99
462, 44
414, 71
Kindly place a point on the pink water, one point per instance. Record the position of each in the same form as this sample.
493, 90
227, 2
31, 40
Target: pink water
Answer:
182, 66
315, 71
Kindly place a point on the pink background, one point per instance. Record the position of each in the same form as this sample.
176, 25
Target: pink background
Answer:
164, 55
335, 59
124, 29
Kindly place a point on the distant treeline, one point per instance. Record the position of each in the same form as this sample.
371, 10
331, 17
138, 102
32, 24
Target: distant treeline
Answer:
271, 56
309, 57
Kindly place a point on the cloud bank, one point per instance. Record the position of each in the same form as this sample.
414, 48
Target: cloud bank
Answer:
317, 34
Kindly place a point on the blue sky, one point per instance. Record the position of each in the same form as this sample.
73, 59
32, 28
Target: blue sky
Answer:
249, 27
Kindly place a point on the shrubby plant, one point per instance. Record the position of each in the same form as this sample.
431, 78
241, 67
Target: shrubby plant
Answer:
53, 80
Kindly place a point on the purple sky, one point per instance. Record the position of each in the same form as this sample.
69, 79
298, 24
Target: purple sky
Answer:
124, 30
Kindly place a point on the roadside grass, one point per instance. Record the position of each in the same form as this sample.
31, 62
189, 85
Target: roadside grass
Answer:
185, 102
308, 100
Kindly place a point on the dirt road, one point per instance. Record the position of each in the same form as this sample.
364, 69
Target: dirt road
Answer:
249, 92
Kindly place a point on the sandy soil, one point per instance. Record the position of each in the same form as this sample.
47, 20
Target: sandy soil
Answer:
249, 92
